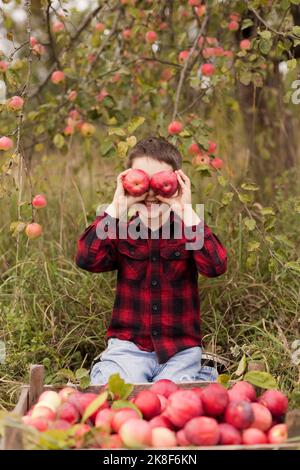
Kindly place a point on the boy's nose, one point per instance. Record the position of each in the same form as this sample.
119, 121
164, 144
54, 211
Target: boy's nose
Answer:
151, 192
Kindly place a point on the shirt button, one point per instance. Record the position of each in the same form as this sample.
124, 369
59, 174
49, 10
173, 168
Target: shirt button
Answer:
154, 307
154, 282
131, 251
155, 332
177, 253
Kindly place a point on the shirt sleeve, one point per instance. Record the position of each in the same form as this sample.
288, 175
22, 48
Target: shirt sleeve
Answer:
211, 256
97, 246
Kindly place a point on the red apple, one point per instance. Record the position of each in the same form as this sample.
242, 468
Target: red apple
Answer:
208, 69
40, 424
81, 401
278, 434
161, 421
262, 417
113, 441
3, 66
136, 182
65, 392
233, 25
182, 406
151, 36
212, 147
175, 127
245, 389
163, 402
201, 159
43, 412
100, 27
68, 412
183, 55
38, 49
202, 431
87, 129
163, 437
229, 435
164, 387
72, 95
275, 401
121, 417
208, 52
58, 26
60, 424
39, 201
136, 434
181, 439
126, 34
6, 143
235, 16
33, 41
104, 419
33, 230
194, 149
194, 3
245, 44
253, 436
148, 403
239, 414
101, 95
15, 103
216, 163
57, 77
214, 399
164, 183
50, 397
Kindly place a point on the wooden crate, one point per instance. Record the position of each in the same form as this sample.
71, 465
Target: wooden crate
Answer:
13, 439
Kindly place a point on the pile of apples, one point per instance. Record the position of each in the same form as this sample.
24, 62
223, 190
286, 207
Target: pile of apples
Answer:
164, 416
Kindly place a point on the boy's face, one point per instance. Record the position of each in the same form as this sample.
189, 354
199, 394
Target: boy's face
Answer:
151, 166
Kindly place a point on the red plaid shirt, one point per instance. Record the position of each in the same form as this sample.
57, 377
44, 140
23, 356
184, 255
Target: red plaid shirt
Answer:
157, 300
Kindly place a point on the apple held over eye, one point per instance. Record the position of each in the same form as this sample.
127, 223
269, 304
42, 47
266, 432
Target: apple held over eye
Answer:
164, 183
136, 182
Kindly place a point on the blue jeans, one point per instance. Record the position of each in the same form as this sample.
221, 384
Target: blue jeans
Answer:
137, 366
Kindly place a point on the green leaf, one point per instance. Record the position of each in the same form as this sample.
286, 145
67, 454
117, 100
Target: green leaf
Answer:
68, 374
292, 64
267, 211
118, 387
246, 23
99, 401
224, 379
265, 34
122, 149
241, 367
296, 30
227, 198
117, 131
265, 46
261, 379
222, 180
293, 265
249, 187
59, 141
253, 246
126, 404
17, 227
244, 198
250, 223
135, 123
245, 77
295, 2
81, 373
85, 382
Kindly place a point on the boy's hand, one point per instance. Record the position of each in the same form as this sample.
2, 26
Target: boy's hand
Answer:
177, 203
122, 201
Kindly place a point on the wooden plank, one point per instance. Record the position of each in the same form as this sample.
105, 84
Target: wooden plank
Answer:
13, 439
36, 383
293, 423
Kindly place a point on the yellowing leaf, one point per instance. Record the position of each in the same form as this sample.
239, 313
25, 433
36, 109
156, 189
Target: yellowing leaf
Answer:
99, 401
131, 141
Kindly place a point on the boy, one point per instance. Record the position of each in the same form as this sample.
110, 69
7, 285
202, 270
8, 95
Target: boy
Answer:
154, 331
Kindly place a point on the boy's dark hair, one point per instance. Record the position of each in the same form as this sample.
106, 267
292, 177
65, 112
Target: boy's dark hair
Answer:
157, 148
